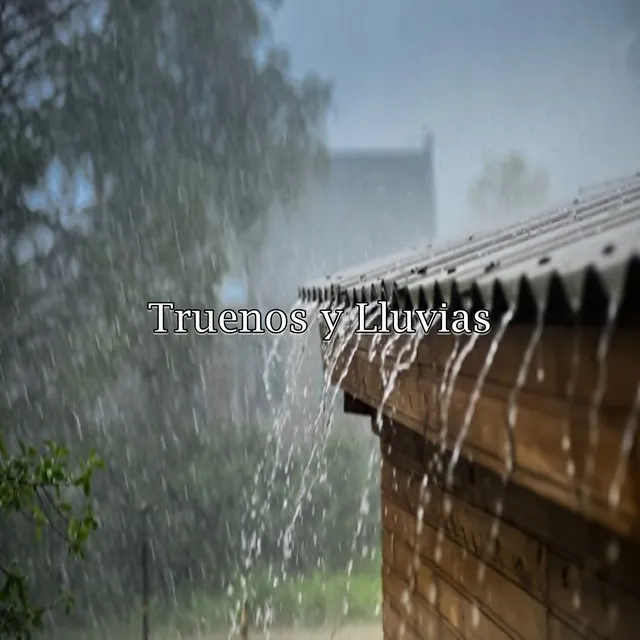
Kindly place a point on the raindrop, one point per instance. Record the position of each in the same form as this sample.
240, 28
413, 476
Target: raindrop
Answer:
626, 445
475, 615
613, 552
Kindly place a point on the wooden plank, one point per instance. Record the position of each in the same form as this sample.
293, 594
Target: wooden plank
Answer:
518, 557
411, 451
422, 581
539, 427
387, 541
558, 630
468, 621
463, 615
417, 615
507, 602
589, 603
541, 462
394, 627
554, 357
542, 523
556, 577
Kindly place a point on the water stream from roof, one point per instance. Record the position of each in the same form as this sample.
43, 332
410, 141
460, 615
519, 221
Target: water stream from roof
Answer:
254, 521
390, 356
599, 391
388, 348
338, 354
320, 428
409, 351
446, 374
434, 464
626, 445
373, 345
405, 359
505, 320
521, 378
459, 443
566, 442
456, 367
510, 443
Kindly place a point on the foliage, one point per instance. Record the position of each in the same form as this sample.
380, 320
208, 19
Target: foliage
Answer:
186, 131
199, 531
508, 185
39, 486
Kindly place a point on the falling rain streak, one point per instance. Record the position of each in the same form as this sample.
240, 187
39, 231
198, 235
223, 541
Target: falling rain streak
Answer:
393, 355
602, 353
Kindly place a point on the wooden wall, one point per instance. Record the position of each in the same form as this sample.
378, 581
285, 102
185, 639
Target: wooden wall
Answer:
548, 417
551, 575
566, 564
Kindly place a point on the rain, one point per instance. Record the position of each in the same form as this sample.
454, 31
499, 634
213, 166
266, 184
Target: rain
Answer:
298, 168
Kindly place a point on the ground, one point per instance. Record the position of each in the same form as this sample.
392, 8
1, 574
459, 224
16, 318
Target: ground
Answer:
366, 631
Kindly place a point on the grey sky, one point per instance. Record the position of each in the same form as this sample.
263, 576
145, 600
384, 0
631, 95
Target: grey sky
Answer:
547, 78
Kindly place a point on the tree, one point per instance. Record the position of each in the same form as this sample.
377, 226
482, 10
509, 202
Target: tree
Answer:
509, 185
188, 124
38, 484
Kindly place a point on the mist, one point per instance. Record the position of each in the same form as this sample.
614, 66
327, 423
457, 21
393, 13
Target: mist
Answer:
224, 154
548, 79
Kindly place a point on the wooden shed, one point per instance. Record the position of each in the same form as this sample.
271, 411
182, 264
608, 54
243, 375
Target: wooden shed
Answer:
510, 473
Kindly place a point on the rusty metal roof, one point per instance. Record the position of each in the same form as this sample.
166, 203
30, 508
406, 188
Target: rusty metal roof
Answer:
556, 258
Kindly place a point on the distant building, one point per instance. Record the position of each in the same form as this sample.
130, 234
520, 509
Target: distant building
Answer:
388, 187
359, 210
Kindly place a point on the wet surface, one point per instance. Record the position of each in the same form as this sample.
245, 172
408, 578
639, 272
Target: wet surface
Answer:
368, 631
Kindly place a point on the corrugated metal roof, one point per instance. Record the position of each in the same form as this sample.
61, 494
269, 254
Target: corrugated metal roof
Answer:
598, 232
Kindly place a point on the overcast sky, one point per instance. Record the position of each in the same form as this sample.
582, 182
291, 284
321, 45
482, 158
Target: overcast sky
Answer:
547, 78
